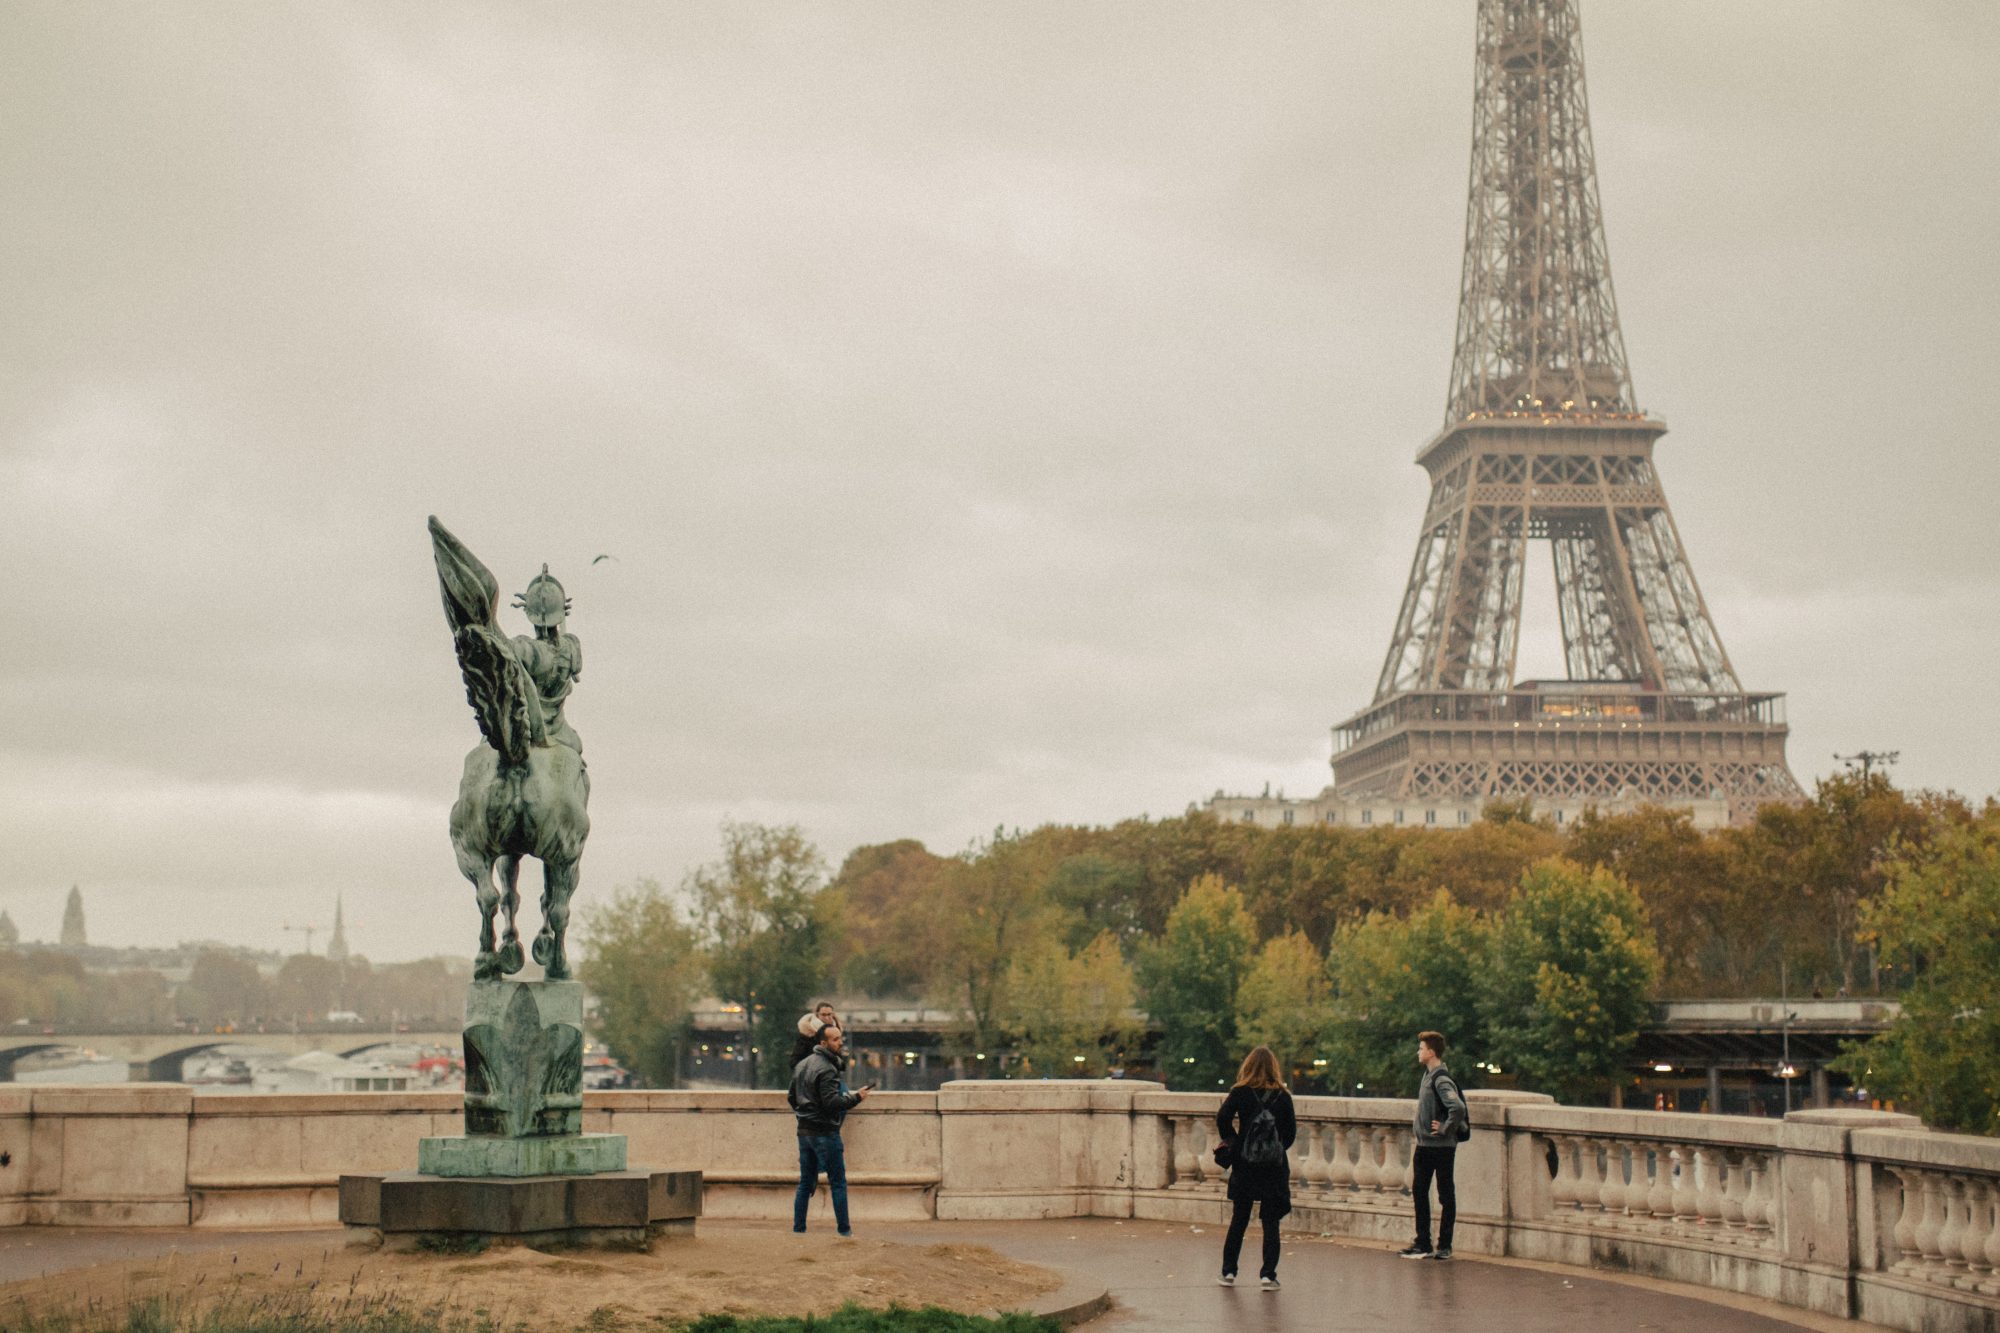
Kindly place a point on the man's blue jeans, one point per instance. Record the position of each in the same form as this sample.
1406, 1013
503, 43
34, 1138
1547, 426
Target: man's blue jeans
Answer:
821, 1153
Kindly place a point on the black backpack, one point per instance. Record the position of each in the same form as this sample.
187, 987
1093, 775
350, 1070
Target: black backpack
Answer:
1261, 1145
1463, 1132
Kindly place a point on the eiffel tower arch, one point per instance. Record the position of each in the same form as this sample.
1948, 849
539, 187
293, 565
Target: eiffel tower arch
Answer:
1543, 441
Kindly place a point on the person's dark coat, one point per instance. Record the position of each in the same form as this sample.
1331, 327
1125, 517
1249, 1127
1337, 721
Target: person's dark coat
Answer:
802, 1046
1260, 1182
816, 1095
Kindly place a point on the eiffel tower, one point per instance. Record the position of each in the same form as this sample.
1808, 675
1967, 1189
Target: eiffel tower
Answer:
1543, 441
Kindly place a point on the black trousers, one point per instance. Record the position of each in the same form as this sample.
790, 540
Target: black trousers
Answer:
1239, 1222
1427, 1163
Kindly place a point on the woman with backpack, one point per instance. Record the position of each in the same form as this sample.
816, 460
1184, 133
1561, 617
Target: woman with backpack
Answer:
1256, 1125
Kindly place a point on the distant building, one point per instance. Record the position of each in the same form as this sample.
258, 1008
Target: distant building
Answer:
1416, 812
9, 933
336, 948
72, 926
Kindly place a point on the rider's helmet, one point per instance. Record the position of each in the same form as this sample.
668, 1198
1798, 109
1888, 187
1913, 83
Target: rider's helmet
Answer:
544, 601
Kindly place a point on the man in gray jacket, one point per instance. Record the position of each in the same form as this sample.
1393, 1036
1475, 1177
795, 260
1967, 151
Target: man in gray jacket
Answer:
820, 1102
1441, 1123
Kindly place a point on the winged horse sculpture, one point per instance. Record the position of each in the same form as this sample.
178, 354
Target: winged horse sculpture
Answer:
525, 789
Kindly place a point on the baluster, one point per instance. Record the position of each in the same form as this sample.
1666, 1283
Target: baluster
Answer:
1767, 1197
1298, 1157
1686, 1210
1563, 1185
1341, 1169
1909, 1215
1319, 1167
1735, 1171
1951, 1236
1368, 1166
1183, 1138
1206, 1172
1593, 1160
1376, 1147
1406, 1154
1989, 1222
1660, 1195
1611, 1193
1708, 1188
1930, 1226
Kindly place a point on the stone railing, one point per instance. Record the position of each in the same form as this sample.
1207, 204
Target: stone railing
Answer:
1850, 1213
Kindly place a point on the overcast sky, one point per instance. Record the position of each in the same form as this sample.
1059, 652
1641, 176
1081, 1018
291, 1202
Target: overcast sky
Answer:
997, 413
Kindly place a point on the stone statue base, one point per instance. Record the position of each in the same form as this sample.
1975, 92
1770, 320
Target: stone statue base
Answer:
524, 1058
523, 1173
624, 1210
479, 1155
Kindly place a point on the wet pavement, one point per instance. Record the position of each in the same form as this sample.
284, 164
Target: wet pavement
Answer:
1162, 1276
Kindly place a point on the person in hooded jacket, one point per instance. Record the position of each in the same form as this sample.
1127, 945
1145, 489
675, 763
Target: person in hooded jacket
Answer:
809, 1028
1265, 1186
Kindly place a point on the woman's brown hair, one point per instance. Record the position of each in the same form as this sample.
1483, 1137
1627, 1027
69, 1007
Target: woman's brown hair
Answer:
1260, 1070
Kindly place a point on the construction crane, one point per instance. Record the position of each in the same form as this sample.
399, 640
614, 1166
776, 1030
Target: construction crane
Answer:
307, 931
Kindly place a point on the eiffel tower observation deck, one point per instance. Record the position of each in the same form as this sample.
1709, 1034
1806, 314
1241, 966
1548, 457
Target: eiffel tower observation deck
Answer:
1544, 442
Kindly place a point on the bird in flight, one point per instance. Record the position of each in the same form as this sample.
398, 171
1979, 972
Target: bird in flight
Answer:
602, 558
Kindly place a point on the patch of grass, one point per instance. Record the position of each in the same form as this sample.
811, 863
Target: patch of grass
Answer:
856, 1319
290, 1313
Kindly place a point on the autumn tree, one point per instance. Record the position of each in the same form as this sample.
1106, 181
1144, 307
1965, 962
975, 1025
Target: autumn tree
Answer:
1189, 981
1283, 1000
881, 918
755, 912
1070, 1014
642, 962
1571, 972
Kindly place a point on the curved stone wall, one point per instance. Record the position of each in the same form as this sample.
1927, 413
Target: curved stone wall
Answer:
1850, 1213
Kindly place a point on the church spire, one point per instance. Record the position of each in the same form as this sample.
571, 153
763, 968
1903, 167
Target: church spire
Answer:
336, 948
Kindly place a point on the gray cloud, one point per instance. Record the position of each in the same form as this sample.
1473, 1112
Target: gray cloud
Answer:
998, 415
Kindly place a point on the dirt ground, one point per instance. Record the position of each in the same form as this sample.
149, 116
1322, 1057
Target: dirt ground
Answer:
725, 1268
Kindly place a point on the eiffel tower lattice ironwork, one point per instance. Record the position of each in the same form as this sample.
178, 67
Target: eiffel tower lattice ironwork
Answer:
1543, 441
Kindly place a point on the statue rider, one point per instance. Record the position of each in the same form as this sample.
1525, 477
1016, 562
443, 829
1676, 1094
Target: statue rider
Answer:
553, 657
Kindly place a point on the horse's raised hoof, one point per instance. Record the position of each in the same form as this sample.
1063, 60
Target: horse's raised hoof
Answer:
545, 948
510, 958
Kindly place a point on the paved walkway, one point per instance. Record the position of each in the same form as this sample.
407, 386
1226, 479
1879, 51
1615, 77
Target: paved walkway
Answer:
1162, 1276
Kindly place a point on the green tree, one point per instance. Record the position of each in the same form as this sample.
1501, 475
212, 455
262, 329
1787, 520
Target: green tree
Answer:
1573, 965
1392, 978
222, 988
991, 909
1097, 893
755, 912
642, 963
1711, 938
1189, 980
1063, 1005
307, 988
1283, 1001
1939, 923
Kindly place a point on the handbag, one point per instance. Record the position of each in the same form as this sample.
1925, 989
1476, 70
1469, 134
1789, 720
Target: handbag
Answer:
1225, 1154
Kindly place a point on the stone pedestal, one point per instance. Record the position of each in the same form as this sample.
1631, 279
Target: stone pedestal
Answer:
523, 1172
524, 1058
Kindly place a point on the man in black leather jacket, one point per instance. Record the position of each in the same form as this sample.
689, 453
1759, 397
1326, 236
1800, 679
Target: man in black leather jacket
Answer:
821, 1102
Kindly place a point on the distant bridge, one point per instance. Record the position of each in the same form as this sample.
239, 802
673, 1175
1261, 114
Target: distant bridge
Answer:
156, 1055
1688, 1051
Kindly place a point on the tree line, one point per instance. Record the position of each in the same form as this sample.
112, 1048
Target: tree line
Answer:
52, 988
1537, 947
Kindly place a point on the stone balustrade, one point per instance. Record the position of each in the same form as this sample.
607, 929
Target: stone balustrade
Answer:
1850, 1213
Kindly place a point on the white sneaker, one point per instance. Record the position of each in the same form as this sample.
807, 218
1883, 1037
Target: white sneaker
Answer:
1226, 1280
1268, 1283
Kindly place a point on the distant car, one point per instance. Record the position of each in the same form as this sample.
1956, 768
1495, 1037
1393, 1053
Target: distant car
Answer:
343, 1016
